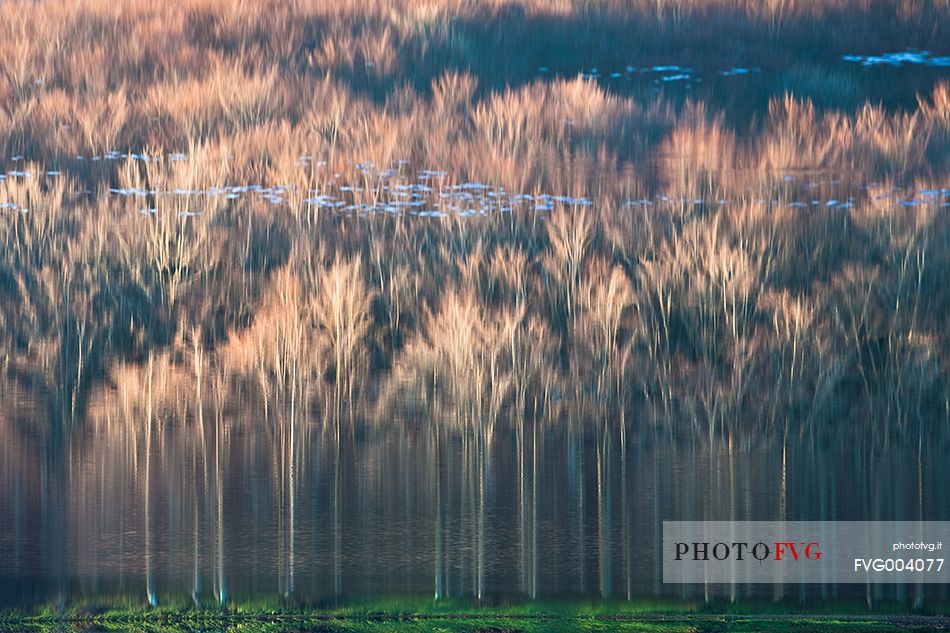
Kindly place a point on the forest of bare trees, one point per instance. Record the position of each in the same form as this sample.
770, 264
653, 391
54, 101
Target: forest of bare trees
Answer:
364, 210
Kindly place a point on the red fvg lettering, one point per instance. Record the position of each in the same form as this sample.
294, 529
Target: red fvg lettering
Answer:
788, 547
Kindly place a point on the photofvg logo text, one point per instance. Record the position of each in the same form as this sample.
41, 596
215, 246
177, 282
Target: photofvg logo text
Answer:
742, 550
804, 551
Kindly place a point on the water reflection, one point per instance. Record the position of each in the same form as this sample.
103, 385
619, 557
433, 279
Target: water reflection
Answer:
225, 507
